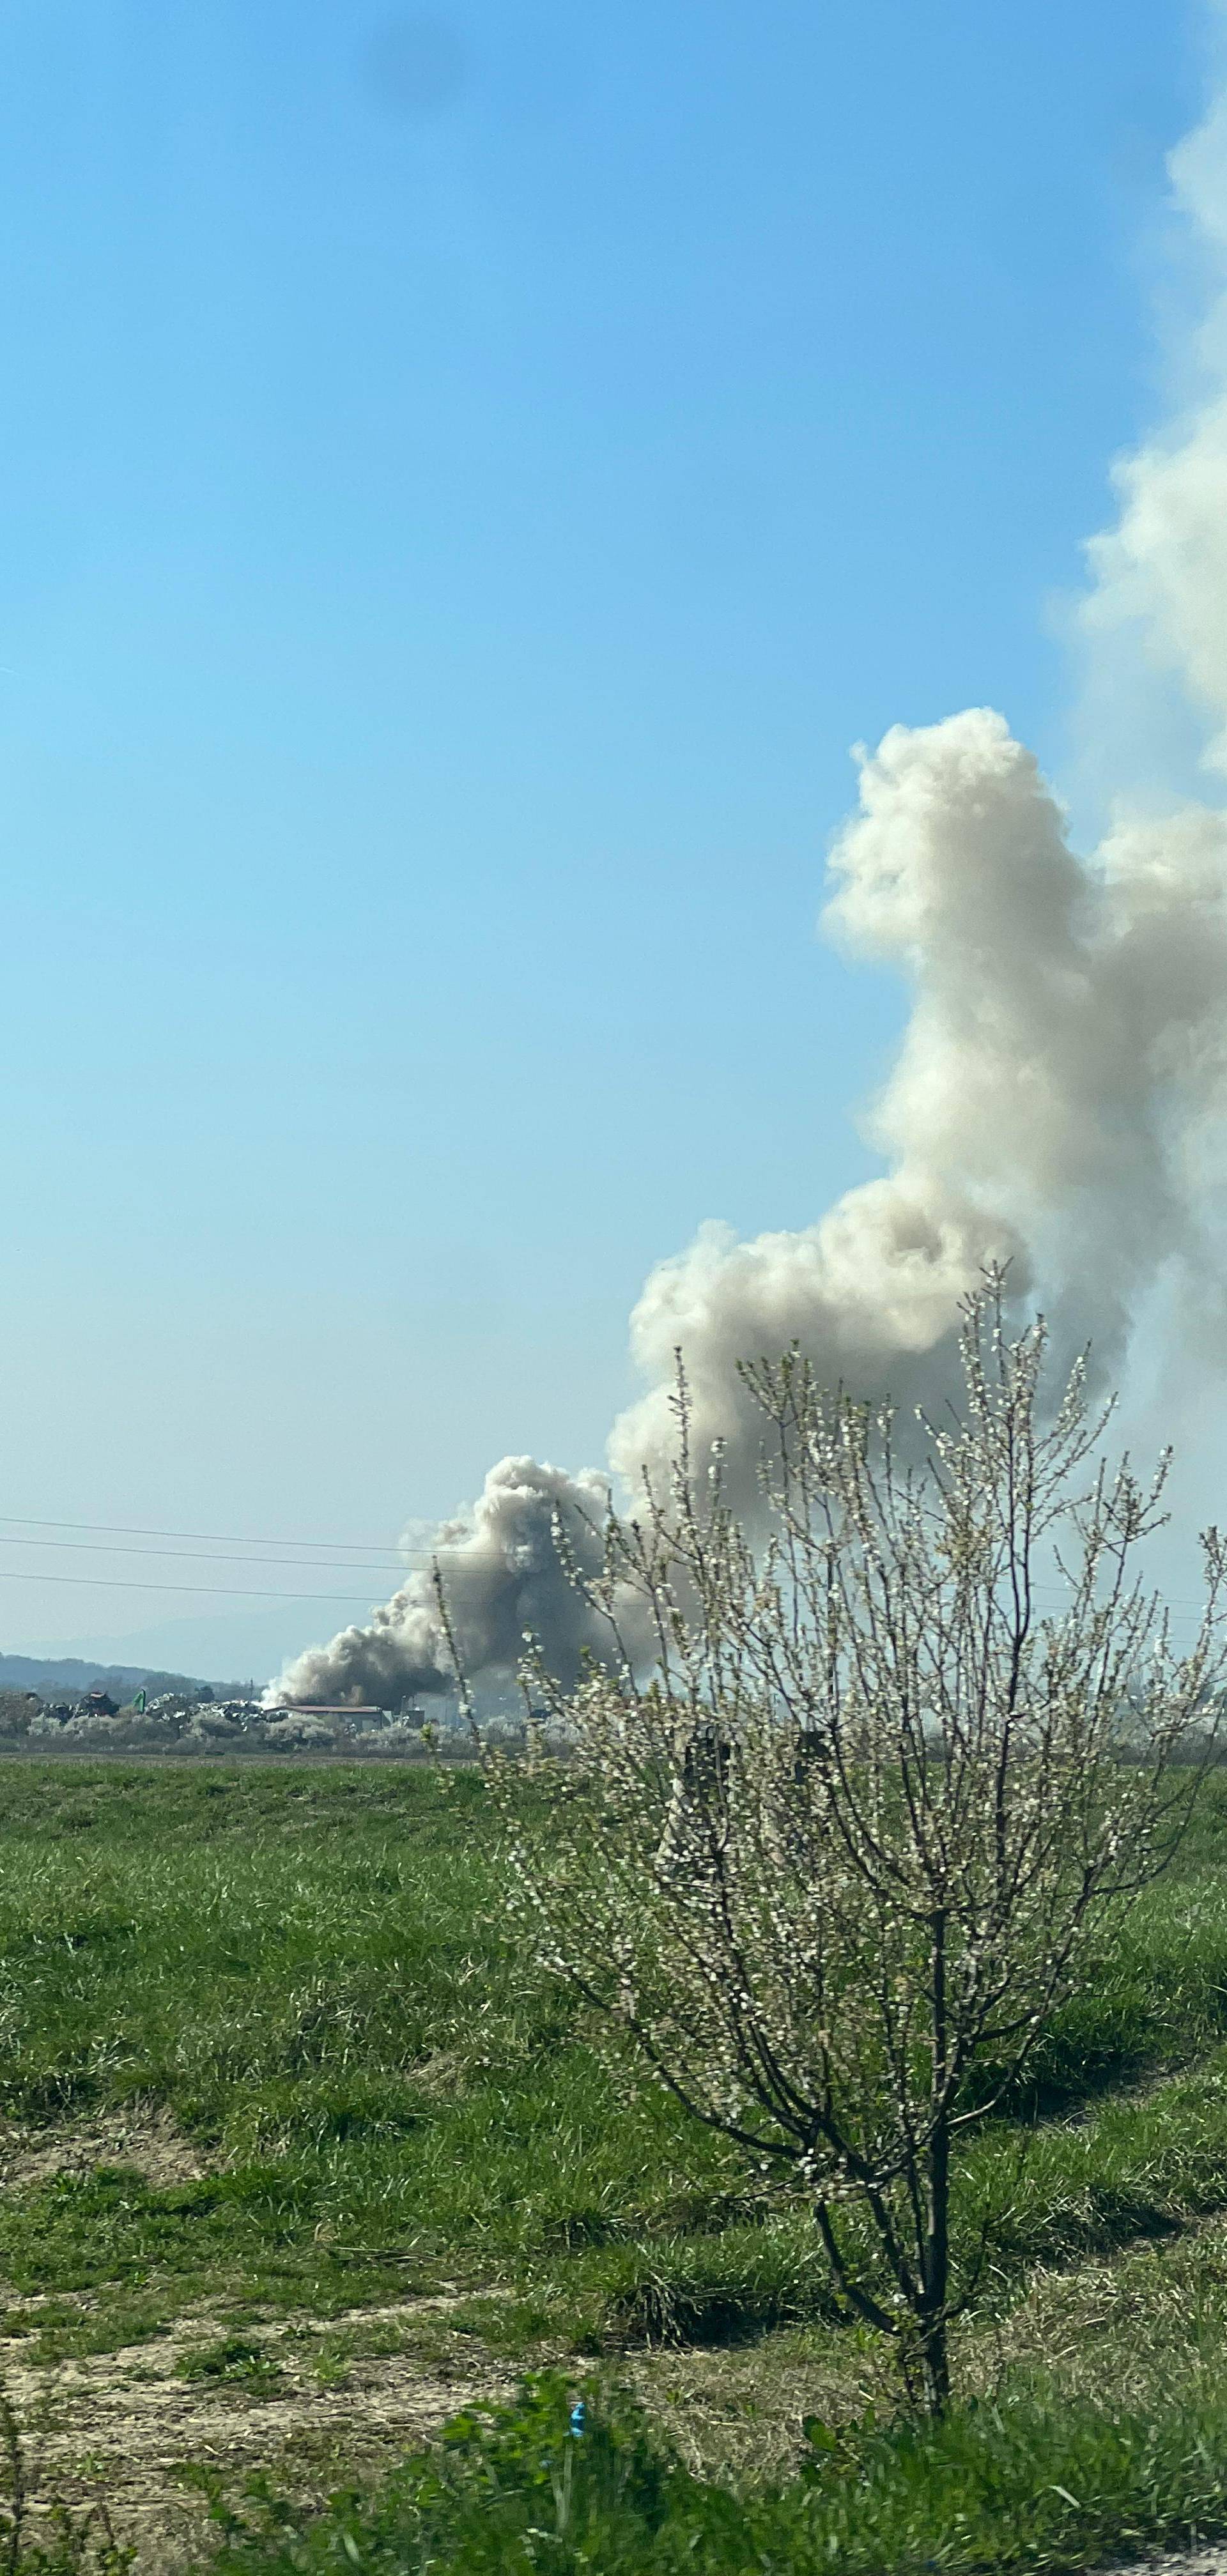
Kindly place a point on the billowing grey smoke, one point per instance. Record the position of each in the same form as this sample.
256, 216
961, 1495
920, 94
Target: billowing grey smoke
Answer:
1066, 1041
504, 1580
1062, 1071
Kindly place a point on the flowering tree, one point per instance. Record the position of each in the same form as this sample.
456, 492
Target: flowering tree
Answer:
838, 1852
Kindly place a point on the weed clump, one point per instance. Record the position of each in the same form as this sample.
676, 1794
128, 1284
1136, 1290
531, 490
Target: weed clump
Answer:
231, 2358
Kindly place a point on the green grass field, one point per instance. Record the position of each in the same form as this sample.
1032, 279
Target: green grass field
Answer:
369, 2118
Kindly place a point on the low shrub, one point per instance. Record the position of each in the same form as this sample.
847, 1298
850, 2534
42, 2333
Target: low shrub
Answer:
396, 1742
295, 1734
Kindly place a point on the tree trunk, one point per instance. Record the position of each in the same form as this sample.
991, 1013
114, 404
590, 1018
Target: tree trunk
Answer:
935, 2252
934, 2364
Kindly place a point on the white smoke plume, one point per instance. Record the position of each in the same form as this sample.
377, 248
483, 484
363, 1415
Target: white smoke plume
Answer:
1054, 1101
1160, 575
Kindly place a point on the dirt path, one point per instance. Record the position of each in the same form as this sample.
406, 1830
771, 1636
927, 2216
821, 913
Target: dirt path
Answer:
316, 2401
1203, 2562
326, 2402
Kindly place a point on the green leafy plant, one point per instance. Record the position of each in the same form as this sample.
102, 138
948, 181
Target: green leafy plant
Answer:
233, 2357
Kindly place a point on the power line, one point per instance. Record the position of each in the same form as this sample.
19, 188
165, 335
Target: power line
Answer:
376, 1561
86, 1547
121, 1529
206, 1591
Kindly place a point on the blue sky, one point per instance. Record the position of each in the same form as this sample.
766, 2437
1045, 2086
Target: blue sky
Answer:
465, 482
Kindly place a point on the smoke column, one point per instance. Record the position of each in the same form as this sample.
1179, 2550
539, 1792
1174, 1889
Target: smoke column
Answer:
1160, 576
1055, 1096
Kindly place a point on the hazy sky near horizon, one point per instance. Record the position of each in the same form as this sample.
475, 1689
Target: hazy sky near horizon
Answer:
466, 480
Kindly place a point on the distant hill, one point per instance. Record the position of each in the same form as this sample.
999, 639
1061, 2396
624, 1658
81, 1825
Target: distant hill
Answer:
74, 1677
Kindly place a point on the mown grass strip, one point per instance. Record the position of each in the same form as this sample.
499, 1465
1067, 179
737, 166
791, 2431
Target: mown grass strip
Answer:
308, 1971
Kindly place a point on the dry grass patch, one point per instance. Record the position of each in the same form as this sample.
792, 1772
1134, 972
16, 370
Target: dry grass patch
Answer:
143, 2137
1125, 2335
313, 2402
1119, 2334
736, 2414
